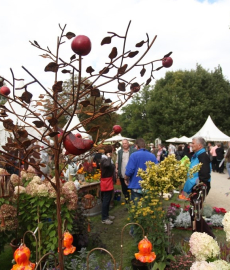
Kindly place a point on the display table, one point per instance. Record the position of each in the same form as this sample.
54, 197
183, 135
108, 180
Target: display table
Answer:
90, 186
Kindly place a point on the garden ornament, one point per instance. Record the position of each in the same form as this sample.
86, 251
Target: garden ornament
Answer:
145, 253
45, 124
21, 256
67, 242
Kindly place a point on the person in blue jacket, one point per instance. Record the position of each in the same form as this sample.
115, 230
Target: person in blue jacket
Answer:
137, 161
202, 176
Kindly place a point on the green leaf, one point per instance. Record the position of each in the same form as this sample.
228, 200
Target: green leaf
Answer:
158, 242
171, 257
41, 203
159, 266
52, 233
55, 240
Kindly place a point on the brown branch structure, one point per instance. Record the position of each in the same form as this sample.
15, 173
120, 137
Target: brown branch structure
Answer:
24, 146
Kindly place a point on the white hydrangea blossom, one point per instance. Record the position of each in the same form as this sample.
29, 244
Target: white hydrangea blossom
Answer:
42, 190
226, 224
221, 265
203, 246
37, 179
19, 190
15, 179
203, 265
2, 171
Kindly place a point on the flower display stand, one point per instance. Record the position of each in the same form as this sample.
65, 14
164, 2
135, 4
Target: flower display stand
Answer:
137, 265
93, 211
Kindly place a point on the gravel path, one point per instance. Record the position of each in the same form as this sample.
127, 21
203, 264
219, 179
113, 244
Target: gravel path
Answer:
220, 185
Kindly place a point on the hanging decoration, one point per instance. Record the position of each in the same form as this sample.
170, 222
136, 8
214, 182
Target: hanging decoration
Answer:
68, 240
21, 256
145, 253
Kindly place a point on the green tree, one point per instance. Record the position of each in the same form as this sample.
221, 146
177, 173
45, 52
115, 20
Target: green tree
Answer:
181, 102
178, 105
134, 118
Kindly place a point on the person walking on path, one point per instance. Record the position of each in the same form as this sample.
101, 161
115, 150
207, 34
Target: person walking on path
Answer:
219, 158
214, 161
137, 161
121, 162
107, 183
227, 157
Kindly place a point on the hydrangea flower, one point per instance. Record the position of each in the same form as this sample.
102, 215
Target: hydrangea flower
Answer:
226, 224
15, 180
203, 265
203, 246
221, 264
19, 190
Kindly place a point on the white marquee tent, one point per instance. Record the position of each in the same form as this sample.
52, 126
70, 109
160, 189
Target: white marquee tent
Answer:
183, 139
118, 138
75, 121
172, 139
4, 134
211, 133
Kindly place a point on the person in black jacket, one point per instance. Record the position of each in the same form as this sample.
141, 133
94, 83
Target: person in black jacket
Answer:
219, 157
108, 177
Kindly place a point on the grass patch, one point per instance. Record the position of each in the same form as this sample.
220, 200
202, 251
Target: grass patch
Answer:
110, 236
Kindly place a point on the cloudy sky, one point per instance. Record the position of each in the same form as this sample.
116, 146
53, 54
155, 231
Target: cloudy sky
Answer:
195, 31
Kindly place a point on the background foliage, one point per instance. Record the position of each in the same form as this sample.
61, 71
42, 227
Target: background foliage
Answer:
178, 105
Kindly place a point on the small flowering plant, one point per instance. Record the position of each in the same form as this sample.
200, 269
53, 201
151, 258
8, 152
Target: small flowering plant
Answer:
176, 205
203, 247
94, 176
172, 212
220, 211
170, 174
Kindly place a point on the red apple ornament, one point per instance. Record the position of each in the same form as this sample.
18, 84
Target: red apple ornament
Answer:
167, 62
117, 129
5, 90
76, 146
81, 45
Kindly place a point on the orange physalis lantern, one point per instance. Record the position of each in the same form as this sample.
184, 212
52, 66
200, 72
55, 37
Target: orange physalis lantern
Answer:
68, 240
21, 256
145, 254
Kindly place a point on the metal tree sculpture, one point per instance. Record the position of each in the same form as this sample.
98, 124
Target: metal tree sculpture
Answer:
23, 145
